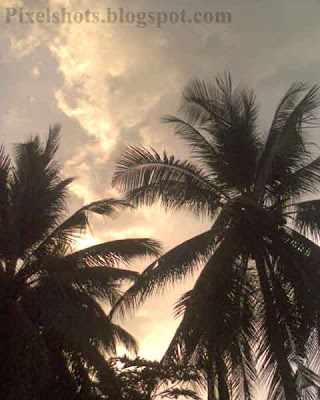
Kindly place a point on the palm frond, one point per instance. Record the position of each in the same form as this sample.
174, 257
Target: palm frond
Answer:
227, 117
104, 375
201, 147
101, 283
115, 252
52, 144
61, 239
138, 167
213, 313
275, 345
307, 376
296, 183
165, 270
73, 317
94, 266
174, 266
175, 393
285, 142
307, 218
202, 101
124, 338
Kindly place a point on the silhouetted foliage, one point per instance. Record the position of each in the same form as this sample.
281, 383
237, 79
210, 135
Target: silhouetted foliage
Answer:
54, 334
141, 379
256, 301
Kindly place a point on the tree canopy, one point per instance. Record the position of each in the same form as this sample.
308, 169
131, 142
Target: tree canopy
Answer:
255, 304
54, 333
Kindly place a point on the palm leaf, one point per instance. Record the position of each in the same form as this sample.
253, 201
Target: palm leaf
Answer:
201, 147
275, 346
175, 265
298, 182
101, 283
63, 236
285, 141
307, 218
115, 252
139, 167
227, 118
216, 293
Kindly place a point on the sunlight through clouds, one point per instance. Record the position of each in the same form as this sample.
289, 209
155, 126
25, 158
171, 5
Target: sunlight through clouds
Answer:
153, 345
86, 241
135, 232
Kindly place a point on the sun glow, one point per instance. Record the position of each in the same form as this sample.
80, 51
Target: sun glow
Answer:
86, 241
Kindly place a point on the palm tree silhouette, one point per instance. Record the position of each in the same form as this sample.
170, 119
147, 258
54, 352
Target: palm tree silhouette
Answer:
54, 332
255, 303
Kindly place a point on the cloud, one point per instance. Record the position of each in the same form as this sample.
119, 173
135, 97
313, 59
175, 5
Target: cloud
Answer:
23, 46
11, 3
35, 70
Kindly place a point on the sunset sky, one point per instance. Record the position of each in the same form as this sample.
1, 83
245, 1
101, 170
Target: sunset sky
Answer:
109, 84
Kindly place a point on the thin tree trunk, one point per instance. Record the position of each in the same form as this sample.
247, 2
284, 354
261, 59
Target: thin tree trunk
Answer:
222, 382
276, 336
210, 385
210, 382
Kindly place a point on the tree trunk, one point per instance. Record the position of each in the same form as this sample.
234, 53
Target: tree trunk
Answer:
276, 334
210, 377
222, 382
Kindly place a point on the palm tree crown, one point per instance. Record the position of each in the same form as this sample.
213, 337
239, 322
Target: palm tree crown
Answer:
255, 304
54, 332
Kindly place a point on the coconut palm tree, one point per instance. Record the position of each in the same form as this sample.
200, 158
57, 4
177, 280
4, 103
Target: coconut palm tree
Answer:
54, 332
256, 301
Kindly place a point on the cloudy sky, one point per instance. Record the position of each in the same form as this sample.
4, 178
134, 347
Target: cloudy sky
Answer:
109, 84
